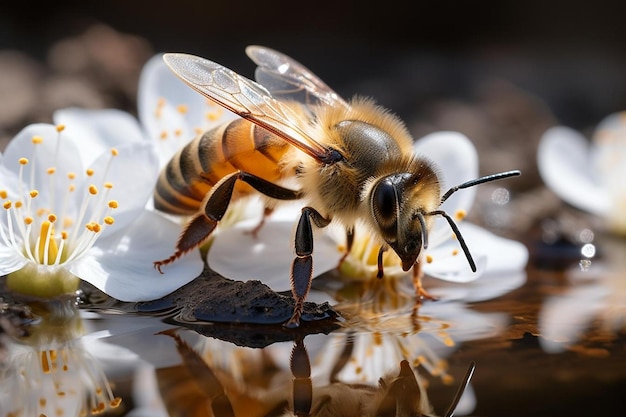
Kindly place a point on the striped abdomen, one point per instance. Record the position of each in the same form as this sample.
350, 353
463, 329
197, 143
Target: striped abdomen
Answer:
199, 165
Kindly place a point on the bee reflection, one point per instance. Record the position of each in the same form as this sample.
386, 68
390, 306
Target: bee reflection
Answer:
195, 388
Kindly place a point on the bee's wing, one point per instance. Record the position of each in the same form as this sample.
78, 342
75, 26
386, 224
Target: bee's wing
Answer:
246, 98
286, 78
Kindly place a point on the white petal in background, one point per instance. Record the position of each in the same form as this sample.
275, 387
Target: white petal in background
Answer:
564, 162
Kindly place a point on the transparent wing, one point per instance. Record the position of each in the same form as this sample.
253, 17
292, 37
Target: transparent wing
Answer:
246, 98
286, 78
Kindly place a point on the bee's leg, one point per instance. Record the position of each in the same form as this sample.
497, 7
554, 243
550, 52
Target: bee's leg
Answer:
381, 271
349, 243
302, 267
420, 291
202, 225
302, 386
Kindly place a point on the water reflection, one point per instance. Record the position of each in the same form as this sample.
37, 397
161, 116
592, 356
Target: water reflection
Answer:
48, 371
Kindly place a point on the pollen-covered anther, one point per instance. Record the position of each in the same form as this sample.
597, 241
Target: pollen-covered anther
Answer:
7, 204
52, 218
113, 204
28, 220
3, 194
51, 170
429, 259
455, 252
89, 172
18, 204
23, 161
109, 220
71, 175
178, 132
114, 152
108, 185
33, 193
163, 135
182, 108
60, 128
93, 190
37, 140
460, 215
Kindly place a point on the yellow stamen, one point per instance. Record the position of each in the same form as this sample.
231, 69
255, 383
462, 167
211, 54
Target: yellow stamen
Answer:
52, 218
163, 135
109, 220
3, 194
429, 259
7, 204
93, 190
113, 204
108, 185
455, 252
18, 204
181, 108
28, 220
23, 161
114, 152
460, 215
37, 140
45, 364
60, 128
47, 241
71, 175
89, 172
34, 193
71, 188
51, 170
178, 132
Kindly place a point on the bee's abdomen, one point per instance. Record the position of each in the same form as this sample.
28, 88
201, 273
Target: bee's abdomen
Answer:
199, 165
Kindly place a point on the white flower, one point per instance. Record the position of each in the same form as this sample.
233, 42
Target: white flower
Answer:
238, 255
74, 198
588, 175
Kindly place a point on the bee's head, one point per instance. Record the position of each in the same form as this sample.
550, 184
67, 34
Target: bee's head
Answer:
399, 205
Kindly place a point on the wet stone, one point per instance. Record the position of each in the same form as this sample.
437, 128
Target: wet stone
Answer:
213, 298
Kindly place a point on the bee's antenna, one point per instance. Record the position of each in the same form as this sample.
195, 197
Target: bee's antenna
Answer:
460, 390
458, 235
422, 221
480, 180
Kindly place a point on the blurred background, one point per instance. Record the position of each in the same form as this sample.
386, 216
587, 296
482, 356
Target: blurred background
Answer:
501, 72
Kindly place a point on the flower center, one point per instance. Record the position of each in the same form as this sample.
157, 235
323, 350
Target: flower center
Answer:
46, 228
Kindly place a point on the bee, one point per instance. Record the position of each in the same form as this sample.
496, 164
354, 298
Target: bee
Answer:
352, 161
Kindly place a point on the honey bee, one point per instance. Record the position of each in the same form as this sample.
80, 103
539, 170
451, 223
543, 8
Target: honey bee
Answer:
353, 162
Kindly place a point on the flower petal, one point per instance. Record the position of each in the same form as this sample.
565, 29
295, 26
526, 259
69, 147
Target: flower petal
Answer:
237, 255
97, 131
63, 155
456, 159
565, 165
121, 265
133, 173
9, 260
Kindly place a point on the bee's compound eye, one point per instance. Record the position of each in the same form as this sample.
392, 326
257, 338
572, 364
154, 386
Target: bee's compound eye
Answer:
385, 201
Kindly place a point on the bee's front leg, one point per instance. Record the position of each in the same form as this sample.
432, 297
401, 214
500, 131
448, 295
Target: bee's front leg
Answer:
302, 267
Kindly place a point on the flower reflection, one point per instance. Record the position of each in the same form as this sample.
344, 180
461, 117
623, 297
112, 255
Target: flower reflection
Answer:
589, 176
71, 211
594, 294
49, 372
